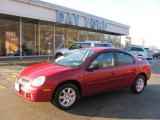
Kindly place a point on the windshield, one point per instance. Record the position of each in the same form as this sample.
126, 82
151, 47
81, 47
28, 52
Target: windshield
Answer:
74, 59
79, 45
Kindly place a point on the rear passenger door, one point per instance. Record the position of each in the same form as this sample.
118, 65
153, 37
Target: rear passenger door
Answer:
126, 68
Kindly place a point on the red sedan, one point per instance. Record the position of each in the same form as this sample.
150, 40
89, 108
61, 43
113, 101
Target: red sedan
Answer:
81, 73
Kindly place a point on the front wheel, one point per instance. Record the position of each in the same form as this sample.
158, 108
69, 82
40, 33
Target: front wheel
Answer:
138, 85
65, 96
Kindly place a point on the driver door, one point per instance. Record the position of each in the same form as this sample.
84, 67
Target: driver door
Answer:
101, 74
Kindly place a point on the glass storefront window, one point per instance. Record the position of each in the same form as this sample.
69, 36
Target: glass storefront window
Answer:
9, 37
43, 38
106, 37
46, 39
83, 35
29, 38
100, 36
60, 37
92, 36
118, 42
113, 40
72, 37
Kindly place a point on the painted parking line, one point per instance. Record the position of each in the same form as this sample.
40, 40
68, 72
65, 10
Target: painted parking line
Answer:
15, 75
2, 87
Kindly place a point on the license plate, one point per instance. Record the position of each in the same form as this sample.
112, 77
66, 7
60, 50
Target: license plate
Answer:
17, 86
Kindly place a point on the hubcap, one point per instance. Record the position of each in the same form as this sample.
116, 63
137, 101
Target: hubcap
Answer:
140, 85
67, 97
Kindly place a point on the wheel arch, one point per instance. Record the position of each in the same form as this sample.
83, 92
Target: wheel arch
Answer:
143, 74
59, 53
74, 82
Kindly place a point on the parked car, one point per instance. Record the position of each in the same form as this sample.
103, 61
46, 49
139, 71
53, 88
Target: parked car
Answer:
156, 55
77, 45
81, 73
140, 51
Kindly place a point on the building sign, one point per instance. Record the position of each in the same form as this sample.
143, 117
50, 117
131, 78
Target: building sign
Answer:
73, 19
61, 18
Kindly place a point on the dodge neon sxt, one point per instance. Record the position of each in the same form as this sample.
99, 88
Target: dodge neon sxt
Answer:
81, 73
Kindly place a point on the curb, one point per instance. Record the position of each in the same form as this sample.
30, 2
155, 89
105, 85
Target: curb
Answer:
20, 63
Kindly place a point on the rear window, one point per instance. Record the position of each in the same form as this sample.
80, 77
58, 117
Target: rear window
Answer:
137, 49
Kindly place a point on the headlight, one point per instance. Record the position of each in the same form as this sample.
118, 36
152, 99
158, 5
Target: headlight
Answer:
38, 81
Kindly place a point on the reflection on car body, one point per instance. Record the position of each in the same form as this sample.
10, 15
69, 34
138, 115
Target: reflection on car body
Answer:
85, 44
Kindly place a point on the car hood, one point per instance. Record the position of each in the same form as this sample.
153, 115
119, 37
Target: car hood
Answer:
43, 69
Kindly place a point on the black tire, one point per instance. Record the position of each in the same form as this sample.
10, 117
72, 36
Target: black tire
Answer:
58, 55
141, 81
57, 101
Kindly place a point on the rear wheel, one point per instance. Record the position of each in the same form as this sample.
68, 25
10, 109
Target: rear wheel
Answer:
138, 85
65, 96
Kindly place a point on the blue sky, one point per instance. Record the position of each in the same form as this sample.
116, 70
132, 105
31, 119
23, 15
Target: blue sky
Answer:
143, 16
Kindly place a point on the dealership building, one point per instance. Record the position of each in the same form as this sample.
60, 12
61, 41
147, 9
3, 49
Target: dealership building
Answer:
31, 28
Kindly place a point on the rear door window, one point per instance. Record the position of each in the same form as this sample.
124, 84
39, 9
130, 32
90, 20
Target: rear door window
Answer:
124, 59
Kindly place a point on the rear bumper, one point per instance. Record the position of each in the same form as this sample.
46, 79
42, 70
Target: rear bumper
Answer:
35, 94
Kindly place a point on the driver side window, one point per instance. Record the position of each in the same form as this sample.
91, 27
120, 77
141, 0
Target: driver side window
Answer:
104, 60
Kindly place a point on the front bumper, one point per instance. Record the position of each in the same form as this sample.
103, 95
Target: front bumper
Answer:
40, 94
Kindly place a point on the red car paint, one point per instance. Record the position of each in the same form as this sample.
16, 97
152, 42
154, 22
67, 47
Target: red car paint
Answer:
90, 82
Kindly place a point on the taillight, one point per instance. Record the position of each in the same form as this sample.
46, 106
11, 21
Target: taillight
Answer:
146, 69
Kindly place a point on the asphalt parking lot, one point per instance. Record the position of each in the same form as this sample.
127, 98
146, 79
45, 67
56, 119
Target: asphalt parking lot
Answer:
121, 104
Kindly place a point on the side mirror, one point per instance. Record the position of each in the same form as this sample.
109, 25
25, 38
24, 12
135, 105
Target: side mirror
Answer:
92, 67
